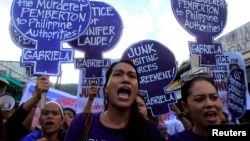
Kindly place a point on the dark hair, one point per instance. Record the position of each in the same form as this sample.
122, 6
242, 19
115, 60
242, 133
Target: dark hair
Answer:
137, 128
226, 118
70, 109
185, 89
109, 72
141, 96
245, 116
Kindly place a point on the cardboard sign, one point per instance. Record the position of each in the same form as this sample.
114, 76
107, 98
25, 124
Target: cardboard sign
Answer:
49, 23
221, 74
83, 95
18, 39
103, 33
236, 93
237, 40
204, 20
83, 86
157, 67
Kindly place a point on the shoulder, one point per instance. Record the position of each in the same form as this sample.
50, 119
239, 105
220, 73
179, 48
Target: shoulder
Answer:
155, 132
32, 136
81, 117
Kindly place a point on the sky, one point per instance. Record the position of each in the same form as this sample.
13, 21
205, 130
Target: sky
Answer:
142, 19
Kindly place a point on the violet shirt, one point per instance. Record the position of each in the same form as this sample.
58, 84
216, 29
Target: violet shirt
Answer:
99, 132
187, 135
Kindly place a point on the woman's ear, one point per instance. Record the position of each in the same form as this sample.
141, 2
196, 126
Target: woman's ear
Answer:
184, 106
105, 91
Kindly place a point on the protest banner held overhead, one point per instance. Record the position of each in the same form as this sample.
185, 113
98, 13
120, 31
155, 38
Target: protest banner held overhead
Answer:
49, 23
204, 20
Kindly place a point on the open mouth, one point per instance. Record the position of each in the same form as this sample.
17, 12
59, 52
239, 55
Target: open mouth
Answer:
211, 116
124, 92
49, 123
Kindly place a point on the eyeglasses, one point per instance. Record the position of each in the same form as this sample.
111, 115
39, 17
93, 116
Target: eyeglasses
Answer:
190, 77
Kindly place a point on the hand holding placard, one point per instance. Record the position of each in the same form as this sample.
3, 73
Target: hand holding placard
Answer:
42, 87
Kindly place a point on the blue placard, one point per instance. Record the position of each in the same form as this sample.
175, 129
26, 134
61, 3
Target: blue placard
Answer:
81, 63
103, 33
205, 20
48, 23
157, 67
18, 39
92, 67
236, 93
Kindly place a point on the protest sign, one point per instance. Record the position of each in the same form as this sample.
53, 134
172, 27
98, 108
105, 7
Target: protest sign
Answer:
157, 67
204, 20
48, 23
103, 33
236, 93
221, 74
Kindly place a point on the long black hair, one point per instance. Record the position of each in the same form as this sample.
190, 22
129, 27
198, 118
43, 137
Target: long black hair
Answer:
137, 128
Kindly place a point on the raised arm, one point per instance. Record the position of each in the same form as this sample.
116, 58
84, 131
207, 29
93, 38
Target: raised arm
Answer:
180, 115
16, 121
92, 94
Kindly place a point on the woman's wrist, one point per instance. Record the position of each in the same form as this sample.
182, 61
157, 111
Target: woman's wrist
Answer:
182, 114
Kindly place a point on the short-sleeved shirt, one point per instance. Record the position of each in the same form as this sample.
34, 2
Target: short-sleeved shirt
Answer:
33, 136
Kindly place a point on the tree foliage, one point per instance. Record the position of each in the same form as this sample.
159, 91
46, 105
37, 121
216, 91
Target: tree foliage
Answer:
70, 88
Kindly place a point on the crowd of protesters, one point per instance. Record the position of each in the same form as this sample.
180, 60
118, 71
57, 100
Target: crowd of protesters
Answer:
125, 116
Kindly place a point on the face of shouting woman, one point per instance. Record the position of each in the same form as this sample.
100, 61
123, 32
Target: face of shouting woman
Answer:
122, 86
51, 118
204, 104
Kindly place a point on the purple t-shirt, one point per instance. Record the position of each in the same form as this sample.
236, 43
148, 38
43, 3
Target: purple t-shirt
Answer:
187, 135
99, 132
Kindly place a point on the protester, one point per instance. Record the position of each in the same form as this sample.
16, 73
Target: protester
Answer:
51, 119
142, 107
224, 118
92, 91
201, 100
69, 115
148, 115
182, 122
121, 119
17, 121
